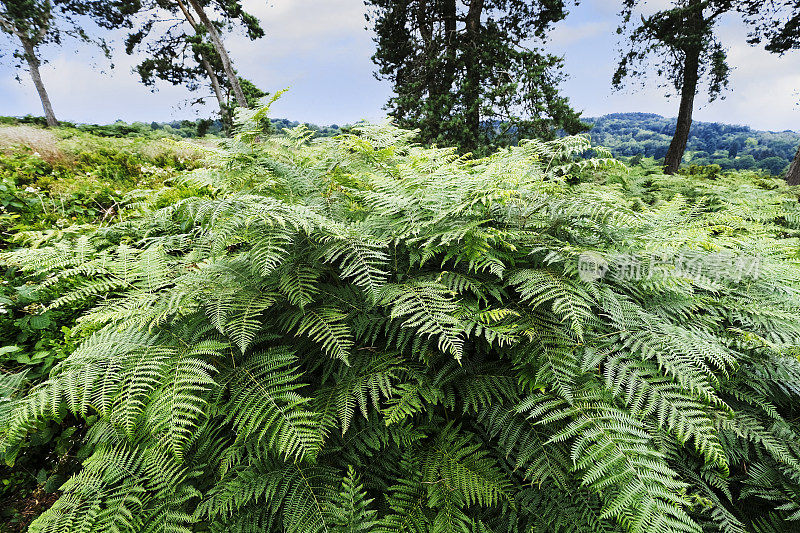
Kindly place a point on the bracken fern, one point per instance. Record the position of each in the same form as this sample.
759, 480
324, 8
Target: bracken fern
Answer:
363, 334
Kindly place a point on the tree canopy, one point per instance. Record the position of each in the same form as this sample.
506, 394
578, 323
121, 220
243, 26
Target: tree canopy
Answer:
472, 74
178, 47
35, 23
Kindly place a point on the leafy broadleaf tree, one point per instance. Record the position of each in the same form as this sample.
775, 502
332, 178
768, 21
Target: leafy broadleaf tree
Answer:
465, 74
364, 334
681, 42
777, 27
36, 23
185, 53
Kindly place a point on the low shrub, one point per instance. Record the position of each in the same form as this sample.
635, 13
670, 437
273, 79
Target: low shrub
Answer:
364, 334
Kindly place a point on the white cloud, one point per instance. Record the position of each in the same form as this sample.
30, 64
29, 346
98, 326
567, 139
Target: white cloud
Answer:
564, 35
85, 94
321, 49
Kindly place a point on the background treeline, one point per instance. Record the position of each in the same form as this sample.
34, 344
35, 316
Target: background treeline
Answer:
626, 135
186, 129
731, 147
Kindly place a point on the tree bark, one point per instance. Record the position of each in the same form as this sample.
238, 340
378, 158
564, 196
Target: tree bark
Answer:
691, 67
677, 147
33, 67
793, 174
472, 101
227, 64
424, 22
205, 63
214, 84
451, 41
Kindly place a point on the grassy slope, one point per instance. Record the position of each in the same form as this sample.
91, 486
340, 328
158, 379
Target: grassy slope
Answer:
64, 176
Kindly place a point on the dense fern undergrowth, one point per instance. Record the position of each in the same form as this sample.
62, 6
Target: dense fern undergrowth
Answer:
362, 334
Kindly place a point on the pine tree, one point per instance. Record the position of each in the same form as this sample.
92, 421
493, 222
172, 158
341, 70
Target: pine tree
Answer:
186, 53
462, 76
36, 23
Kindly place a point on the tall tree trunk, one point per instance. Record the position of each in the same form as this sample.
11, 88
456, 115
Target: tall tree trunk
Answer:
424, 22
677, 147
33, 66
472, 101
451, 43
691, 66
212, 76
214, 84
227, 64
438, 63
793, 175
449, 49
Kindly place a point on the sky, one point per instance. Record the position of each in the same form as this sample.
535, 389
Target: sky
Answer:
321, 49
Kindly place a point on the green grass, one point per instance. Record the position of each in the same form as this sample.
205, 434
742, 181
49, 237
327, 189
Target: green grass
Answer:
64, 176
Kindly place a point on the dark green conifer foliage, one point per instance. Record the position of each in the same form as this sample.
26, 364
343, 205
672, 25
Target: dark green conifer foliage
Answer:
467, 73
179, 50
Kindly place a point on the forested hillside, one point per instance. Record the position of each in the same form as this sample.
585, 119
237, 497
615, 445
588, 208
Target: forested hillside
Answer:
631, 135
726, 145
175, 129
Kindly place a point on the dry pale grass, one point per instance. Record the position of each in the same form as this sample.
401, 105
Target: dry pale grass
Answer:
64, 146
37, 140
189, 150
149, 148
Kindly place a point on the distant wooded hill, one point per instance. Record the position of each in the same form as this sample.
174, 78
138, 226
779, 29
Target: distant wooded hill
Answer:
730, 147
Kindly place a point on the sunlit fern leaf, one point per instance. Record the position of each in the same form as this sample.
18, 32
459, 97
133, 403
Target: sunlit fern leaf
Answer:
428, 308
565, 297
648, 393
244, 323
144, 371
614, 455
179, 406
268, 249
326, 326
369, 378
264, 406
406, 402
363, 260
299, 283
87, 380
